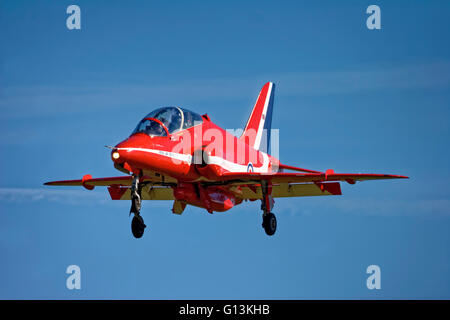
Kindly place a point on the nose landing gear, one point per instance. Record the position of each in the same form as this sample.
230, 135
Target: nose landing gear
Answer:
137, 224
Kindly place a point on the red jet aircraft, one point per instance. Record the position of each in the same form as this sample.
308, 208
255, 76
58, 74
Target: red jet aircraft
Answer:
176, 154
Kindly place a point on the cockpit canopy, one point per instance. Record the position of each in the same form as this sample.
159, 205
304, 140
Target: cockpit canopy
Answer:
167, 120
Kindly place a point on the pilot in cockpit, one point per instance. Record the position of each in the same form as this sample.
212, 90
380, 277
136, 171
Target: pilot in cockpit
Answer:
188, 120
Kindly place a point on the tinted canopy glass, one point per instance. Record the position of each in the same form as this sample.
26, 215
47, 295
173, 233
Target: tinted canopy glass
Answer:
191, 119
171, 118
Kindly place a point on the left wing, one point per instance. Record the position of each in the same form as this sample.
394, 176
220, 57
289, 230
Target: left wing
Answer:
295, 177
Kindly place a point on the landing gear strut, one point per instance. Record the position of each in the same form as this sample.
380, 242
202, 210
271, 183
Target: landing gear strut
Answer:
137, 224
269, 220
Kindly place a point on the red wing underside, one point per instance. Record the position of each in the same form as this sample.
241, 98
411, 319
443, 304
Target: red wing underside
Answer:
251, 192
88, 182
118, 188
93, 182
288, 177
284, 184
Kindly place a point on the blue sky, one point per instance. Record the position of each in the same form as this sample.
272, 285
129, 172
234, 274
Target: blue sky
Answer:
347, 98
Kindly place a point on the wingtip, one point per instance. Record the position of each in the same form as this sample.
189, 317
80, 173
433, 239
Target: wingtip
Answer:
395, 176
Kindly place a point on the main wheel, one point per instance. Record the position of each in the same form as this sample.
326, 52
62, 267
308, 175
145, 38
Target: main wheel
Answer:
269, 223
137, 227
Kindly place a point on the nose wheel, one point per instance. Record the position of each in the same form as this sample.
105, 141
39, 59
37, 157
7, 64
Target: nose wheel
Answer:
269, 223
137, 224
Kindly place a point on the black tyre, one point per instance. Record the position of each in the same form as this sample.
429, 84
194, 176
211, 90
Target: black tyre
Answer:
137, 227
270, 224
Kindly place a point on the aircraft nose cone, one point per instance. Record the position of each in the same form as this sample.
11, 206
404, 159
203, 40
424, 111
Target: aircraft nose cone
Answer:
119, 156
118, 153
123, 150
115, 155
139, 140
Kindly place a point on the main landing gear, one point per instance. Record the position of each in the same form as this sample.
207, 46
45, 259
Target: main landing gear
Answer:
137, 224
269, 220
269, 223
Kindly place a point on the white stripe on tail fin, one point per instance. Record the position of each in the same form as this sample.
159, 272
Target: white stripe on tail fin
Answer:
260, 119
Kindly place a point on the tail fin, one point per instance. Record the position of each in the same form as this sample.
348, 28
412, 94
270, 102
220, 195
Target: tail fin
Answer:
260, 119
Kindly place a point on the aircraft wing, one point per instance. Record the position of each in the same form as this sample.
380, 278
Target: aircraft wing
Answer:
281, 190
284, 184
89, 183
119, 187
93, 182
296, 177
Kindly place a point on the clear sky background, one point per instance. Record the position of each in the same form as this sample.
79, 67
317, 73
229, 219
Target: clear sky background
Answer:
347, 98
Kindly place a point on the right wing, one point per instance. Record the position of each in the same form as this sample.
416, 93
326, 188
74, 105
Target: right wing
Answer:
119, 187
89, 183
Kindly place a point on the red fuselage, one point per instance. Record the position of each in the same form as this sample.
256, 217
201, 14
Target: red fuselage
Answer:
202, 153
